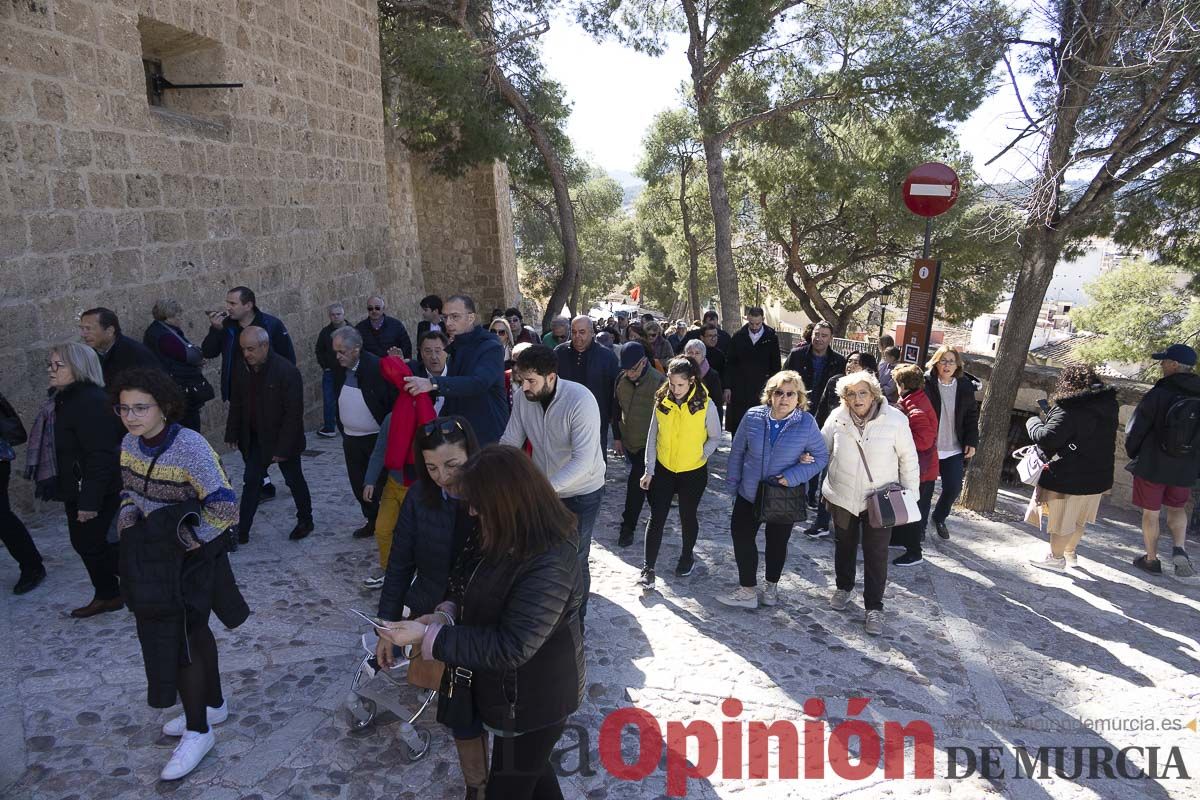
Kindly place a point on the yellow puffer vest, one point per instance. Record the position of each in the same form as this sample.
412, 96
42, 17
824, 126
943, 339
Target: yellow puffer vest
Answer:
681, 435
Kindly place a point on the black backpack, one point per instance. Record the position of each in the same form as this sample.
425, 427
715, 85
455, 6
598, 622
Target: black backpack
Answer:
1181, 437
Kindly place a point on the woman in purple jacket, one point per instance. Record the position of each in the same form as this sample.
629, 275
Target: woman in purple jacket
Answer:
778, 441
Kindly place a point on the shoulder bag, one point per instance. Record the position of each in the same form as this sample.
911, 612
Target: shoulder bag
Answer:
774, 503
426, 673
11, 429
889, 505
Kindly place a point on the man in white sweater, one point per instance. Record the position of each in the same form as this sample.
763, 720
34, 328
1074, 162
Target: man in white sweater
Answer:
561, 421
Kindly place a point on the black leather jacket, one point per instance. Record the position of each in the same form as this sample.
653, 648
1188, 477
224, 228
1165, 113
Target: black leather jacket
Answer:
518, 629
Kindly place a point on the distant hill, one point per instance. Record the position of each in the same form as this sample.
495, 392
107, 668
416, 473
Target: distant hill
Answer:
631, 187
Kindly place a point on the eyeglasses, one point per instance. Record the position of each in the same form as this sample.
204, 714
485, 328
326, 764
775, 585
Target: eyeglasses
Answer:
443, 426
137, 411
782, 393
54, 366
500, 331
948, 362
374, 308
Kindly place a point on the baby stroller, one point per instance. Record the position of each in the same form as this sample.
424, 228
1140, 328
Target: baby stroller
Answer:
374, 689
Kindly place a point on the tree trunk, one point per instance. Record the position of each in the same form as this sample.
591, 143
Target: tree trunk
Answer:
1037, 270
718, 193
562, 195
693, 247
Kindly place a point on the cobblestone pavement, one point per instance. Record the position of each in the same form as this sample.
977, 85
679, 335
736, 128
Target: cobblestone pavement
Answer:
987, 650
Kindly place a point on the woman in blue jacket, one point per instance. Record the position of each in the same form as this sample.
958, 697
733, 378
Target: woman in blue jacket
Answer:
779, 441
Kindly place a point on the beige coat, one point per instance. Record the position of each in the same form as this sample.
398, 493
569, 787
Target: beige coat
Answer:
891, 454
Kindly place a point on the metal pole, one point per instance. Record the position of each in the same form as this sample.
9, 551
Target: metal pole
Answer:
882, 315
928, 234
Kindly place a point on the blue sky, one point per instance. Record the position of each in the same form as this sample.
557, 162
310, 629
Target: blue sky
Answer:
616, 91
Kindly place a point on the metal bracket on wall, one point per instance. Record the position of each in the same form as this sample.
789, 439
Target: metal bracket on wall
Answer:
157, 83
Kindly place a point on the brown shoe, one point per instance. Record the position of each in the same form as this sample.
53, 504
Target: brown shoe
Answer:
473, 758
98, 606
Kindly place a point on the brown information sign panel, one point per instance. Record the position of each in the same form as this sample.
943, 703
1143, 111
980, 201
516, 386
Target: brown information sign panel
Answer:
922, 300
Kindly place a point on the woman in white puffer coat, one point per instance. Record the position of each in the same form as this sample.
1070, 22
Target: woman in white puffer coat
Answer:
864, 426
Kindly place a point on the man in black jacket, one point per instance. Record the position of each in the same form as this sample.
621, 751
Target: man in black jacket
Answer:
383, 335
328, 362
432, 361
585, 361
723, 338
364, 398
101, 330
266, 423
818, 363
753, 357
1163, 439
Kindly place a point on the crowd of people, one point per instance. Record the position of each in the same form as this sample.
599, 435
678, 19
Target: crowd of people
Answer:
478, 458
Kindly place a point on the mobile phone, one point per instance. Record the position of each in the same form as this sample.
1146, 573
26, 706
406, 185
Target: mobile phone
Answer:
375, 621
1044, 405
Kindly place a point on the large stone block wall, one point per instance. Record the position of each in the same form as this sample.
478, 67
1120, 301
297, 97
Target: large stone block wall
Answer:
465, 229
105, 200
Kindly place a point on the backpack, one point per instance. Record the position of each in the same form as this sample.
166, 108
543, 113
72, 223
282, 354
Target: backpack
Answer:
1181, 437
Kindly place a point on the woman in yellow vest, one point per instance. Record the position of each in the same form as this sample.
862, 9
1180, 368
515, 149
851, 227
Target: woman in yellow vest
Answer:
684, 432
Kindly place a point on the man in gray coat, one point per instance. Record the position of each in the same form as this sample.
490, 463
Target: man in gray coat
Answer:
561, 420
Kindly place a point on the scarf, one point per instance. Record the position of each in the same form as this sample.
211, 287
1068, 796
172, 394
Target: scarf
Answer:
41, 462
861, 424
704, 368
408, 414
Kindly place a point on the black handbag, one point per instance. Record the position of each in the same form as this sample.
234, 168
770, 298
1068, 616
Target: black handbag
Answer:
198, 393
776, 504
456, 707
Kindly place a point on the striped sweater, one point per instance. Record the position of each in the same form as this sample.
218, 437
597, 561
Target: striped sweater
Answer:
185, 468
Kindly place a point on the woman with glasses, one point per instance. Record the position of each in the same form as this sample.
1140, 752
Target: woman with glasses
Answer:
74, 454
684, 432
503, 332
779, 442
870, 446
951, 392
510, 633
660, 350
176, 504
431, 534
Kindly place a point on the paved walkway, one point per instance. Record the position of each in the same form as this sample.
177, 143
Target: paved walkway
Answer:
988, 651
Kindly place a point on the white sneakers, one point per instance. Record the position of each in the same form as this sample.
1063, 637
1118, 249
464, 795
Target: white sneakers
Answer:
1072, 559
771, 594
1049, 562
741, 597
192, 748
373, 581
178, 725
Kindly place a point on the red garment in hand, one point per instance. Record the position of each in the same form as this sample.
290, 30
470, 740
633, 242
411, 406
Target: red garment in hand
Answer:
408, 414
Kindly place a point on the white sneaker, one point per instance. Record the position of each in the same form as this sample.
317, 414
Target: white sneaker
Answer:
839, 600
1049, 562
373, 582
177, 726
741, 597
770, 595
192, 748
1072, 560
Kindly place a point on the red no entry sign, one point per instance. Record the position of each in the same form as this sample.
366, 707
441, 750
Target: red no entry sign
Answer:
930, 189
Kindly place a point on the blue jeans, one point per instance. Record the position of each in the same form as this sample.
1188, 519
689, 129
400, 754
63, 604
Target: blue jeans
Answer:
951, 470
329, 400
586, 507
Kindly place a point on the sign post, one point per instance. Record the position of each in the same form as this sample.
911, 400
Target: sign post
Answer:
929, 190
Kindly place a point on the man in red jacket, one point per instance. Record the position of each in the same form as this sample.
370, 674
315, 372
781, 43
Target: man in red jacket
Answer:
923, 422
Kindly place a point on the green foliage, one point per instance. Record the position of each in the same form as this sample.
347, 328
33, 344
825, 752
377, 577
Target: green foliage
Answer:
607, 241
827, 194
1140, 309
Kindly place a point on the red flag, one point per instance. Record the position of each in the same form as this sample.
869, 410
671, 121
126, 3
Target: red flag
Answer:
636, 294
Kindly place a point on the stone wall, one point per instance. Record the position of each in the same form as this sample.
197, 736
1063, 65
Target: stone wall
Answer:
465, 229
111, 195
108, 200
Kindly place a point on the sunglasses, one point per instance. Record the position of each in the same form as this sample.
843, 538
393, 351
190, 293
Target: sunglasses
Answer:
374, 308
500, 331
782, 393
442, 426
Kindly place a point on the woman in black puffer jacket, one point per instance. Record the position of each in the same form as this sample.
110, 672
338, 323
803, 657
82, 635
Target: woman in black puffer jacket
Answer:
1081, 430
511, 626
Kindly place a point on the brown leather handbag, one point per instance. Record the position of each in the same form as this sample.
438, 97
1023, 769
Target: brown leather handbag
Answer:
424, 673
